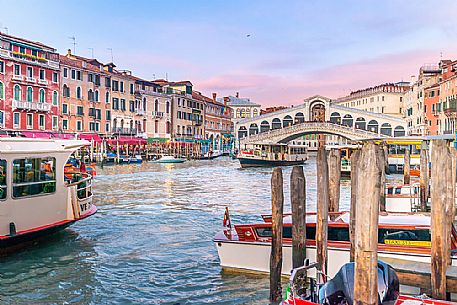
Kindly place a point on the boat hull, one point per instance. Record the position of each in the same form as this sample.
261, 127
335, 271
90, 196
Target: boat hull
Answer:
170, 161
250, 162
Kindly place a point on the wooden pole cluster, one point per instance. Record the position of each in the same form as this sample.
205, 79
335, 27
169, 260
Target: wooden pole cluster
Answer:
424, 179
298, 202
354, 168
368, 192
277, 207
406, 168
334, 170
443, 198
322, 209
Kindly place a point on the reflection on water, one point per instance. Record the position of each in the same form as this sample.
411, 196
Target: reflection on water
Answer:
150, 243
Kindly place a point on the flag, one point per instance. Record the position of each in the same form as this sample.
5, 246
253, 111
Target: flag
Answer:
227, 223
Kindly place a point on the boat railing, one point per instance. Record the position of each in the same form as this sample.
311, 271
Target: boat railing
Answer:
300, 277
81, 193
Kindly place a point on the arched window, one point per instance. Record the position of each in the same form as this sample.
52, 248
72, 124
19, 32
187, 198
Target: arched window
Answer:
66, 91
168, 108
96, 95
78, 92
2, 91
156, 106
168, 127
144, 103
55, 98
29, 94
17, 93
41, 97
254, 112
90, 95
107, 97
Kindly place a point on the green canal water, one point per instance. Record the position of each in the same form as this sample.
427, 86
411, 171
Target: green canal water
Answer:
151, 241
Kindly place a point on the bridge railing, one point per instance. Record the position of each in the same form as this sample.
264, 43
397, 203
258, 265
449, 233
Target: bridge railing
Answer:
373, 114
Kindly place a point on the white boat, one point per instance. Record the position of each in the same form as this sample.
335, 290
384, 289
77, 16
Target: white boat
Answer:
248, 246
270, 155
37, 197
170, 159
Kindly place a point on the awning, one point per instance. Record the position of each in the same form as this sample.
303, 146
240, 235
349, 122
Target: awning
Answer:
155, 140
42, 135
132, 141
90, 136
63, 136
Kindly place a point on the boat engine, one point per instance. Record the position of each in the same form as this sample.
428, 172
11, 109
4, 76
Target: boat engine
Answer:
340, 289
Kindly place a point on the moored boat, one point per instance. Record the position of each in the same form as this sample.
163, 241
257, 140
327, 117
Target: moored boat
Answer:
401, 235
170, 159
37, 197
270, 155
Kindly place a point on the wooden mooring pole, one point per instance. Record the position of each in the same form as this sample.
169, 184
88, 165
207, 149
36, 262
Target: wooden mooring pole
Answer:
277, 207
322, 209
406, 167
424, 179
442, 190
366, 228
382, 162
354, 165
298, 203
334, 171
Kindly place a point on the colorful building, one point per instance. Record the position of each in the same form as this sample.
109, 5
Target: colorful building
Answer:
29, 85
85, 106
242, 107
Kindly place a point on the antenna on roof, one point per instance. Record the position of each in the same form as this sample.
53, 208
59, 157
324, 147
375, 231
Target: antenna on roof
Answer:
166, 76
111, 50
73, 38
91, 52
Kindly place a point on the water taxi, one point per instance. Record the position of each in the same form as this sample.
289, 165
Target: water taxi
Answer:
170, 159
401, 235
36, 198
270, 155
346, 152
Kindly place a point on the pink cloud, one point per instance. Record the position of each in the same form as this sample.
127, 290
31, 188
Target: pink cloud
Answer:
333, 82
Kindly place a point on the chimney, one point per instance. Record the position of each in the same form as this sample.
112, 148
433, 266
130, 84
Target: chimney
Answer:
69, 52
214, 96
237, 95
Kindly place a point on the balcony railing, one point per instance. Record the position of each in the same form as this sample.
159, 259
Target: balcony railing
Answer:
30, 79
157, 114
451, 107
43, 82
29, 58
31, 106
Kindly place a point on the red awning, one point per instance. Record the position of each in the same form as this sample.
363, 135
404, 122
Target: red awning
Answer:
132, 141
64, 136
90, 137
31, 134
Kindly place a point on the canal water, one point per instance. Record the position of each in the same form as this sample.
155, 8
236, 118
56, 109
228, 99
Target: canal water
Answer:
151, 241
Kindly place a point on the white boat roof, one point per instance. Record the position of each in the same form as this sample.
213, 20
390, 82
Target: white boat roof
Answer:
404, 219
14, 145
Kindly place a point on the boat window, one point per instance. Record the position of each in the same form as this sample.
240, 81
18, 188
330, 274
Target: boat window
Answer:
398, 190
2, 179
405, 237
34, 176
338, 233
390, 190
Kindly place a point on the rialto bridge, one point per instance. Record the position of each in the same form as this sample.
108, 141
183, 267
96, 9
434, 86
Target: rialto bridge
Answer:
315, 116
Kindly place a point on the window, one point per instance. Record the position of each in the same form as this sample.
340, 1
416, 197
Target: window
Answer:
2, 118
73, 74
115, 103
29, 94
108, 114
64, 108
29, 120
2, 91
17, 70
55, 98
107, 97
115, 85
34, 176
16, 119
65, 72
64, 124
90, 77
2, 67
131, 89
90, 95
79, 125
22, 50
55, 77
168, 107
55, 122
3, 187
30, 72
17, 93
107, 127
78, 92
41, 121
108, 82
132, 106
79, 110
122, 86
79, 75
42, 74
122, 104
92, 126
96, 96
42, 96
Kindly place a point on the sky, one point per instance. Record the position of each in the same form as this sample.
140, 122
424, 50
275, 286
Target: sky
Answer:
273, 52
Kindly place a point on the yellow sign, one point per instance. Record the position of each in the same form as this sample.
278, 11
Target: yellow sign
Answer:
417, 243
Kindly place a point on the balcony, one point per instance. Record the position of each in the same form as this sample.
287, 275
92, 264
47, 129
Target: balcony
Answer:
451, 108
18, 77
157, 115
43, 82
30, 79
31, 106
124, 131
28, 58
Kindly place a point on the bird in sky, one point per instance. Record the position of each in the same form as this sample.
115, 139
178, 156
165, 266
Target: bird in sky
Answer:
248, 35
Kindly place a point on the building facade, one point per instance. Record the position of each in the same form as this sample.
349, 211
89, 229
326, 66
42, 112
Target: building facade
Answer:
84, 107
241, 107
29, 85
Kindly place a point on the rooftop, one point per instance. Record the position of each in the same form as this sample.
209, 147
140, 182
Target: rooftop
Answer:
238, 101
